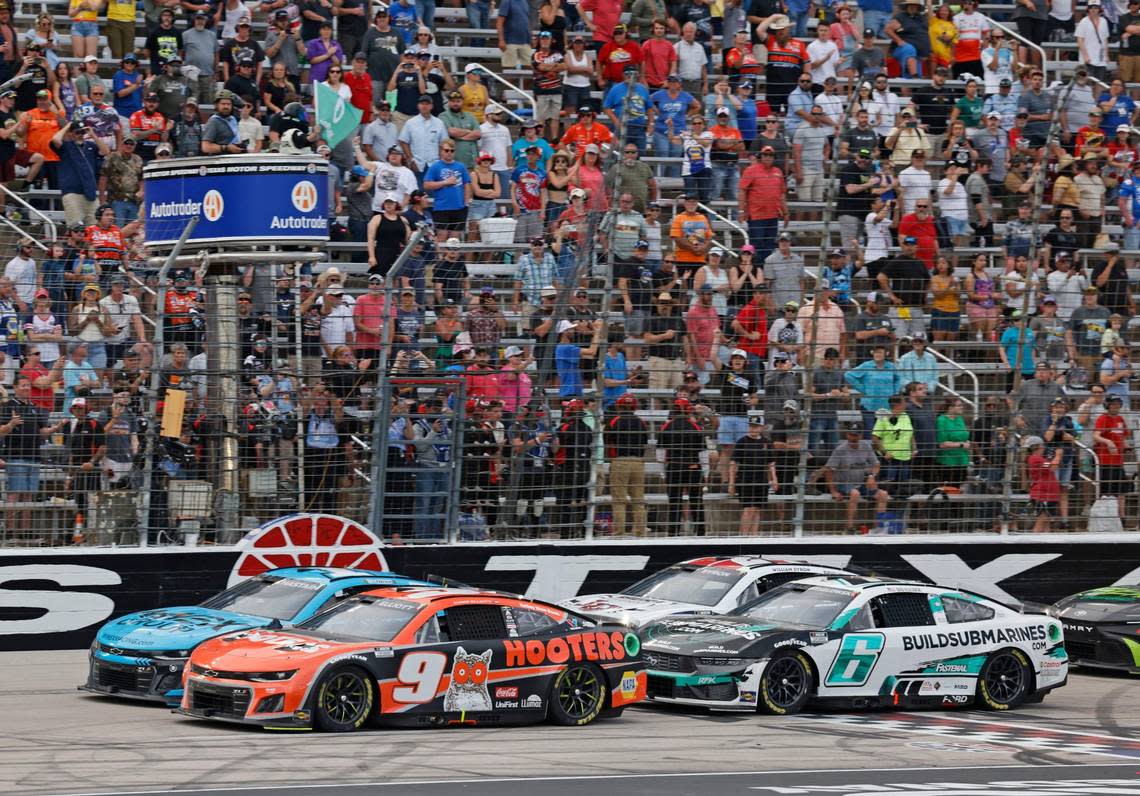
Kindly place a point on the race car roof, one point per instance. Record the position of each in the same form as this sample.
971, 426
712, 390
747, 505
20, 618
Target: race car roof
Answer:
423, 595
746, 562
327, 574
857, 583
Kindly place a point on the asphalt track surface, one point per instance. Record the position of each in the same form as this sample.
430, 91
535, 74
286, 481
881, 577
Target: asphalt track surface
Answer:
1083, 740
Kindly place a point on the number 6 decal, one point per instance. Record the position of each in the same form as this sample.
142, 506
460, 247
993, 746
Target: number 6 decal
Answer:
419, 676
857, 656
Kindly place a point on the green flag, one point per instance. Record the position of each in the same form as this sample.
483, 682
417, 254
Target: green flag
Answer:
337, 117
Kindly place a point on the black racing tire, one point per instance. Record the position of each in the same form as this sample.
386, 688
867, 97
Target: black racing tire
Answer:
786, 685
344, 700
1006, 680
578, 695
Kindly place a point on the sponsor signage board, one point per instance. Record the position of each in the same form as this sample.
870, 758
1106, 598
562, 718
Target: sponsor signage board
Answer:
237, 199
58, 599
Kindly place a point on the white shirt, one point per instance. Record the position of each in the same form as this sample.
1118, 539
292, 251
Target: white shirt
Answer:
954, 205
916, 184
391, 182
22, 272
381, 136
336, 326
496, 141
817, 50
883, 109
1067, 288
971, 27
1061, 9
1003, 69
691, 59
122, 315
49, 351
878, 237
832, 105
1095, 39
577, 81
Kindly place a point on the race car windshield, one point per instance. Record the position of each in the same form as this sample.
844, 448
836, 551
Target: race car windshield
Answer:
272, 598
364, 619
704, 586
812, 607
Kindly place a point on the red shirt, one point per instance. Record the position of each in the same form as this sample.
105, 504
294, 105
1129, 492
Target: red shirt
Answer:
43, 397
178, 306
659, 57
742, 61
1043, 485
926, 234
361, 88
615, 57
752, 318
370, 309
763, 188
1115, 430
105, 244
147, 126
606, 15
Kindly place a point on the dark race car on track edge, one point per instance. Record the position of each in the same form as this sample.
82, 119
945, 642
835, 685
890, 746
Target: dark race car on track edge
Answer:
1102, 627
856, 642
141, 655
419, 658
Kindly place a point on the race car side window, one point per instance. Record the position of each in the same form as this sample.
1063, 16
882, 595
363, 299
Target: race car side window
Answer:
751, 592
343, 594
901, 610
431, 632
527, 623
861, 621
959, 610
471, 622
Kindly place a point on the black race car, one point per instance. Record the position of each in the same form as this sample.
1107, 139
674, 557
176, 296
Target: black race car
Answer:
1102, 627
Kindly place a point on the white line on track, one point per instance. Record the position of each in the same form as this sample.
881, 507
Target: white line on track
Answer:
1022, 725
589, 777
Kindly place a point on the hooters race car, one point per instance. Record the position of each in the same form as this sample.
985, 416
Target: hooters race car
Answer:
701, 585
142, 655
1102, 627
419, 657
856, 642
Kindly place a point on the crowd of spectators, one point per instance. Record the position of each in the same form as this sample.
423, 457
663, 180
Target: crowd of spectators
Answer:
960, 231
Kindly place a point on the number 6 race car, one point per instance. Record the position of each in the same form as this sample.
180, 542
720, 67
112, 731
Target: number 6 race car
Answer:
142, 655
419, 657
856, 642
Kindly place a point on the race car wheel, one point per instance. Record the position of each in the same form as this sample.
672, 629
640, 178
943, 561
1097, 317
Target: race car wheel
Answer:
1004, 681
578, 695
344, 700
786, 685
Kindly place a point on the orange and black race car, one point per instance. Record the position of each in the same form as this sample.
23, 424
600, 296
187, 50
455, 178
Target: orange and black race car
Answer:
419, 657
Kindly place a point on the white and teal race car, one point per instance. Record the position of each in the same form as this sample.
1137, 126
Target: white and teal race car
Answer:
854, 641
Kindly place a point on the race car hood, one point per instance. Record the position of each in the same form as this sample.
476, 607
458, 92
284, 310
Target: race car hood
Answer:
266, 650
628, 609
1110, 604
178, 628
690, 634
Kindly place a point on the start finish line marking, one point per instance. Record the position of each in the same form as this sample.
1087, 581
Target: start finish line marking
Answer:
1024, 736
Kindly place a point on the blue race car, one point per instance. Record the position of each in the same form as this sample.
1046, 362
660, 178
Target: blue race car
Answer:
141, 655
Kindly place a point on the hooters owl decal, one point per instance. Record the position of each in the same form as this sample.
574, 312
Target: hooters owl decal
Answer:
468, 688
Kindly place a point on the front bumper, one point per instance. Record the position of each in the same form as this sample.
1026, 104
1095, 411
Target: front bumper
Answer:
146, 679
240, 703
736, 691
1103, 650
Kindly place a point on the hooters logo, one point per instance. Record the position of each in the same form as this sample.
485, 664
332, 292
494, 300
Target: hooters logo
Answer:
307, 540
304, 196
213, 205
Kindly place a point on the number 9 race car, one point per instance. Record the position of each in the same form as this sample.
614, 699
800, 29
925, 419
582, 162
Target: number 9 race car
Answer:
856, 642
141, 655
419, 657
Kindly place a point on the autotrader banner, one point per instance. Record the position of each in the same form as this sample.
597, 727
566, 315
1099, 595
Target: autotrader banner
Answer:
251, 198
56, 600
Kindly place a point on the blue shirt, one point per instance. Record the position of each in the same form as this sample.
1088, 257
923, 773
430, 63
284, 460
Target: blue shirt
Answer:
403, 18
746, 120
566, 359
1009, 343
875, 383
615, 101
669, 108
798, 100
451, 197
516, 24
518, 150
133, 101
1121, 113
615, 368
1130, 189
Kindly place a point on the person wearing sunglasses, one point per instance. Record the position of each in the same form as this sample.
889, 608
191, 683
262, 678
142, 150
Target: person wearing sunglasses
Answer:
894, 441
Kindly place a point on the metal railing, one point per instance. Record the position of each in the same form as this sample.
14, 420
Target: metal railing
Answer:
973, 376
49, 225
513, 87
1031, 45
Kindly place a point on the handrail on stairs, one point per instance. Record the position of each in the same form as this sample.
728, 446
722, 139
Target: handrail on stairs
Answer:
522, 92
49, 225
1030, 44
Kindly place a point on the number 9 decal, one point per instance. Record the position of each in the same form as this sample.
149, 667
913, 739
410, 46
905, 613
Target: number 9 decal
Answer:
419, 676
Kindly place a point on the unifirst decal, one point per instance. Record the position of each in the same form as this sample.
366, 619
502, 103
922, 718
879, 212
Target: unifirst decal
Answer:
579, 647
974, 638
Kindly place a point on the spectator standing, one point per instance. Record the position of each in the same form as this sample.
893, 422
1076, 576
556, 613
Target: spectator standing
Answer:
21, 273
626, 439
787, 59
752, 474
1087, 323
727, 148
829, 393
664, 338
513, 25
78, 174
894, 440
692, 62
784, 272
1092, 40
876, 380
27, 427
909, 30
922, 418
549, 65
683, 440
1112, 440
657, 54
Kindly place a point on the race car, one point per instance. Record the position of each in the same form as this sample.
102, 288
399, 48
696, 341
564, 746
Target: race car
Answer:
700, 585
141, 655
419, 658
1102, 627
856, 642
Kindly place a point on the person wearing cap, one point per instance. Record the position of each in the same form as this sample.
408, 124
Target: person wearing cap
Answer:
380, 134
739, 395
617, 55
186, 133
783, 271
462, 130
727, 147
283, 43
123, 173
531, 136
528, 199
172, 87
421, 136
668, 111
785, 337
787, 59
875, 379
664, 337
751, 474
635, 177
221, 136
21, 271
692, 234
999, 89
1092, 40
762, 201
548, 65
149, 127
513, 26
1044, 487
782, 380
586, 131
1091, 205
703, 321
37, 127
86, 77
1128, 201
909, 30
1112, 440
